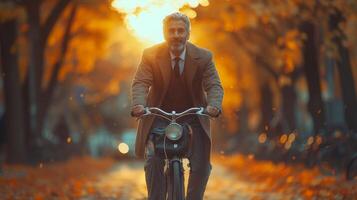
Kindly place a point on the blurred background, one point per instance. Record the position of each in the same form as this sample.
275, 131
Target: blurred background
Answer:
288, 68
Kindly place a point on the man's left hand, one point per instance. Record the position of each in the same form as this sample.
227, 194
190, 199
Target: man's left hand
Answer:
212, 111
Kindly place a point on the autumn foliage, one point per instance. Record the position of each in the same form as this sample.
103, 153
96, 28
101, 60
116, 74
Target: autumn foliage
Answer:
64, 180
292, 181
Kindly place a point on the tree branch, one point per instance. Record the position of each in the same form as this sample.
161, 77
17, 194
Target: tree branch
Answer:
260, 61
53, 18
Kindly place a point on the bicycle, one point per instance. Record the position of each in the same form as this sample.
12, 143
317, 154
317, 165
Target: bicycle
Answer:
340, 153
172, 144
351, 168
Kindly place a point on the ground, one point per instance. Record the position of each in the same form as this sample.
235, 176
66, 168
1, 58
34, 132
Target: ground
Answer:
233, 177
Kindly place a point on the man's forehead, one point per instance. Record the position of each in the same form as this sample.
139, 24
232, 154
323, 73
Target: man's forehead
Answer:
176, 22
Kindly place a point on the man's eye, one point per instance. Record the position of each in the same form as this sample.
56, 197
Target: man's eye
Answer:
179, 31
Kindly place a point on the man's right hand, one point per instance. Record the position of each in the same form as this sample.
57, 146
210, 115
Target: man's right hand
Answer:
137, 110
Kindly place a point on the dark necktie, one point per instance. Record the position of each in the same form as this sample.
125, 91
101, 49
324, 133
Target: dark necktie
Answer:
177, 67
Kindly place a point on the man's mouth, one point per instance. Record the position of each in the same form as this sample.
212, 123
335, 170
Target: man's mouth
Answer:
176, 42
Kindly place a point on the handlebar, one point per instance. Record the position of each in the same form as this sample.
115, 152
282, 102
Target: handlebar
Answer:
161, 113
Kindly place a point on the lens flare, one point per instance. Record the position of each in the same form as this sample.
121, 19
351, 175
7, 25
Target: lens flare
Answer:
144, 17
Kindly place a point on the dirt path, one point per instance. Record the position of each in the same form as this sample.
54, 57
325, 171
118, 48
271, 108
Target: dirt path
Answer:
126, 181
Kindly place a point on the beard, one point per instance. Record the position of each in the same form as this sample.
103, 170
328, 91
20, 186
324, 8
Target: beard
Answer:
177, 46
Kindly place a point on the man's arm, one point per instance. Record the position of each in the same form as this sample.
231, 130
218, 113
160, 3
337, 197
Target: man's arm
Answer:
213, 87
140, 86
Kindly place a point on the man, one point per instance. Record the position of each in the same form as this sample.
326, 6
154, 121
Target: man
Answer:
176, 75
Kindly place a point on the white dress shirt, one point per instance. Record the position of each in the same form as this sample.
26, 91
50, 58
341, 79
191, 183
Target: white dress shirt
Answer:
181, 61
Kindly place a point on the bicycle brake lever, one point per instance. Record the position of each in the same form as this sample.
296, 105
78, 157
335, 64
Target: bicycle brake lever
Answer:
200, 112
203, 112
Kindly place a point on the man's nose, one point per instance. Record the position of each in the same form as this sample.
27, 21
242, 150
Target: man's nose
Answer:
176, 34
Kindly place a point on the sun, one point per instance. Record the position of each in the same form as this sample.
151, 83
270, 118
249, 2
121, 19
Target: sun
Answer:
144, 17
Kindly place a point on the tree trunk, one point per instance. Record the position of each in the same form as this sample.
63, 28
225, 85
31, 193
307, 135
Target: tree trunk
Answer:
288, 105
35, 60
311, 69
14, 124
345, 72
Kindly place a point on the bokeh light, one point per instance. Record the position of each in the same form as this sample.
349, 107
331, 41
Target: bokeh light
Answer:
123, 148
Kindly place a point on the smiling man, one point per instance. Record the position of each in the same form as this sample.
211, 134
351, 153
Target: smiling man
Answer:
176, 75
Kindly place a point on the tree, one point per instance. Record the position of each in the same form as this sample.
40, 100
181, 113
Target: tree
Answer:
284, 42
38, 35
50, 53
14, 125
344, 68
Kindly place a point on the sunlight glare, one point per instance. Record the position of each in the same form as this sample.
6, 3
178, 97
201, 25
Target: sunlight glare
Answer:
144, 17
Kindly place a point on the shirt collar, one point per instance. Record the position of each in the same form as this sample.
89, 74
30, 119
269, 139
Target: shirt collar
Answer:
182, 56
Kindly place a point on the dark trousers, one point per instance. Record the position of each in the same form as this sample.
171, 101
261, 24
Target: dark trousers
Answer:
200, 166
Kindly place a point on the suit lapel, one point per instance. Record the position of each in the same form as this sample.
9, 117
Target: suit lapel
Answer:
191, 65
164, 63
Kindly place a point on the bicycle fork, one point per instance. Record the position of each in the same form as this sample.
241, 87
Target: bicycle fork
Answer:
175, 179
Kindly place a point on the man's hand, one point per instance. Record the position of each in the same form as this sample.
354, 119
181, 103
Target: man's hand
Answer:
137, 110
212, 111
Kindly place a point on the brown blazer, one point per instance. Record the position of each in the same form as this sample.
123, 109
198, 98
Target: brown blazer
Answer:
152, 78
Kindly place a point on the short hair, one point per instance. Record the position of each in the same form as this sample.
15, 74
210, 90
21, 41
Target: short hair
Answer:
177, 16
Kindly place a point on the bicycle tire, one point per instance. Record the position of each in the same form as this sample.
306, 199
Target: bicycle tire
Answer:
178, 184
351, 169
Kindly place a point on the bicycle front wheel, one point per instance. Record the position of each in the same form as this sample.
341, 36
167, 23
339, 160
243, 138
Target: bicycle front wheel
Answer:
178, 188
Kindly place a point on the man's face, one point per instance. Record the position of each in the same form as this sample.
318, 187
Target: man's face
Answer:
176, 35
